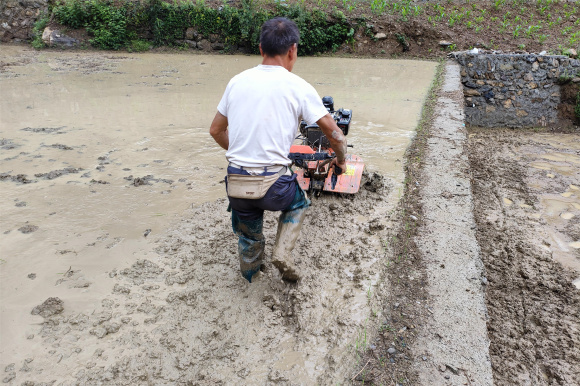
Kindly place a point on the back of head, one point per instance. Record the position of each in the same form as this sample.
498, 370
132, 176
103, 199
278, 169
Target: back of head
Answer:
278, 35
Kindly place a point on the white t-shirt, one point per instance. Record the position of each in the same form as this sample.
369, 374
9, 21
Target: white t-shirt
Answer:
264, 106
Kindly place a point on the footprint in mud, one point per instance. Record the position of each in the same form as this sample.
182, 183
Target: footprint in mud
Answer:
74, 279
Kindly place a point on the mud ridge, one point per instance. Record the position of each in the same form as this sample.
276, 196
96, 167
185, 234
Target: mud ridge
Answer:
452, 346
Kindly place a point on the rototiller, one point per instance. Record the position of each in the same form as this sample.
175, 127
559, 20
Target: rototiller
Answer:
312, 158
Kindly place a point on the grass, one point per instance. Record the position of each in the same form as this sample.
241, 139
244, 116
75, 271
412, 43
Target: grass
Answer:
139, 45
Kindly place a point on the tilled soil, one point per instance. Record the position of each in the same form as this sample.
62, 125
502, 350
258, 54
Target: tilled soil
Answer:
534, 309
188, 317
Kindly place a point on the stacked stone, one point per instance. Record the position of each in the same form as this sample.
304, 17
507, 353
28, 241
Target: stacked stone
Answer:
195, 40
17, 18
513, 90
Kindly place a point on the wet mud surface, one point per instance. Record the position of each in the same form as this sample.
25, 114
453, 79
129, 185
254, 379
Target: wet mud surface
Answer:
102, 155
527, 209
188, 317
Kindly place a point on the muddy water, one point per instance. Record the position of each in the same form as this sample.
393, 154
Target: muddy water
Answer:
555, 177
114, 147
527, 249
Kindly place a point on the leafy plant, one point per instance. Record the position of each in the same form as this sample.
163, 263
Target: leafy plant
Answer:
378, 6
138, 45
542, 38
38, 29
108, 26
73, 13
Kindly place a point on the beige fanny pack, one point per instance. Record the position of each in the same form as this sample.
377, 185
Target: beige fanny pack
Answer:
251, 187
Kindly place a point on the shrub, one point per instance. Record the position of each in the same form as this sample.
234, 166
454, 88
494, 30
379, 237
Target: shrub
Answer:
72, 13
117, 24
38, 29
317, 33
107, 24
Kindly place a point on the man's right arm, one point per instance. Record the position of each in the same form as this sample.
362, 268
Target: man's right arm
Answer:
337, 139
219, 130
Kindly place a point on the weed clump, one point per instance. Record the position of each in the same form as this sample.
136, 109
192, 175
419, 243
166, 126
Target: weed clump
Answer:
37, 30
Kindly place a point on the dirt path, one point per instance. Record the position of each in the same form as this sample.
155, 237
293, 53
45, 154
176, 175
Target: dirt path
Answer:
434, 330
454, 338
528, 219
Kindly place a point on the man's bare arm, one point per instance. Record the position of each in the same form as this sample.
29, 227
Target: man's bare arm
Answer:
219, 130
336, 138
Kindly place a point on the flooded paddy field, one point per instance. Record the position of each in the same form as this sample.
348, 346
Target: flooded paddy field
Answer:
526, 188
113, 203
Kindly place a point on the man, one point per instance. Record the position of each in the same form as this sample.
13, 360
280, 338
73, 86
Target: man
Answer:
256, 123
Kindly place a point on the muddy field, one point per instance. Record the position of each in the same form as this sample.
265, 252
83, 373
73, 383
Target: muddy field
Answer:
527, 209
107, 278
188, 317
118, 262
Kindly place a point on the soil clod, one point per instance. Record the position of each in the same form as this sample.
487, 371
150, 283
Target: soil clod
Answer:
50, 307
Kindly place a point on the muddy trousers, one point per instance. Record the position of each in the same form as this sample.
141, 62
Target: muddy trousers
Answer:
250, 244
248, 217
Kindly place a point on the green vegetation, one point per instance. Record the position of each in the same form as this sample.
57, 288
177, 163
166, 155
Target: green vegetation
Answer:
37, 30
138, 45
114, 25
324, 24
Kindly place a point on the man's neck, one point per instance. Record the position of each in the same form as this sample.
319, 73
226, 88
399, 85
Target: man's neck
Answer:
278, 60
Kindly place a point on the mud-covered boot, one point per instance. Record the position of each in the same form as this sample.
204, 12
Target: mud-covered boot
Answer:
289, 226
250, 244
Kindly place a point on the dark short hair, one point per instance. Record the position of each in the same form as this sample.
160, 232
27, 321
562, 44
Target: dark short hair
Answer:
278, 35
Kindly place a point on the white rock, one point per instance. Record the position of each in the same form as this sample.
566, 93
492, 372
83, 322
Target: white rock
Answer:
46, 35
381, 36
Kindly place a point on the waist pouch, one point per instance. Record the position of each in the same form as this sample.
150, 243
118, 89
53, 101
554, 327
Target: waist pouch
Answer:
251, 187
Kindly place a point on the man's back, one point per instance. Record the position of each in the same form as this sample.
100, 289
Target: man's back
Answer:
264, 106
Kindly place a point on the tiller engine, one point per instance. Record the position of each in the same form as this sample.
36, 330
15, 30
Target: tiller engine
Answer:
312, 158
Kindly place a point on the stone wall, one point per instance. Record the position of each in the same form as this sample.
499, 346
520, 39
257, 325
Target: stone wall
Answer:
513, 90
17, 17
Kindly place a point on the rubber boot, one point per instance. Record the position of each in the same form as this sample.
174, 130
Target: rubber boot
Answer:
289, 226
250, 244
